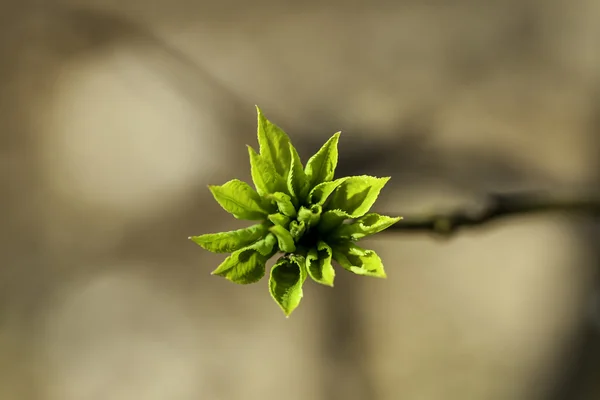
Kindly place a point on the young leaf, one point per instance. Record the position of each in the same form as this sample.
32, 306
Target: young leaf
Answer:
297, 229
284, 203
321, 166
238, 198
265, 178
318, 264
280, 219
358, 260
320, 193
227, 242
285, 283
284, 239
364, 226
356, 195
330, 220
297, 182
310, 216
274, 144
246, 265
267, 246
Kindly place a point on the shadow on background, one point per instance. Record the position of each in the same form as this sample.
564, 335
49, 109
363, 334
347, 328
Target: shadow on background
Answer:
114, 116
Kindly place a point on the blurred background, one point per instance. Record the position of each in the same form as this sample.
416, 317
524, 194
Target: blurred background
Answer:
116, 115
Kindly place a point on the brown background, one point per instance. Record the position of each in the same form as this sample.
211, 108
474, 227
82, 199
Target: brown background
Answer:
115, 115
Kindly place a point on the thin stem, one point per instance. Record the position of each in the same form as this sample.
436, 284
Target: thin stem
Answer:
499, 206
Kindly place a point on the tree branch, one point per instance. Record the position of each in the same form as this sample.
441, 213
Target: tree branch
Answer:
499, 206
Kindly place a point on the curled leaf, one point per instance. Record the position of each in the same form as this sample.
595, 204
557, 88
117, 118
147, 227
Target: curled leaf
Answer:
284, 238
364, 226
285, 283
267, 246
318, 264
297, 229
284, 203
358, 260
247, 265
280, 219
310, 216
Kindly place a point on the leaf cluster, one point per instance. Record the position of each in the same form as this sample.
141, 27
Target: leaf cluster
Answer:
301, 211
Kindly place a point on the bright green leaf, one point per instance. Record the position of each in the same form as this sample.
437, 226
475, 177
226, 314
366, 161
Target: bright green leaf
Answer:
330, 220
321, 166
285, 283
297, 182
320, 193
284, 203
247, 265
364, 226
280, 219
297, 229
358, 260
227, 242
356, 195
267, 246
284, 239
239, 199
265, 178
274, 144
318, 264
310, 216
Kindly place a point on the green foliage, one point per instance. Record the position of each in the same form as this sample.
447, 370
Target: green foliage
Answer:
356, 195
306, 214
297, 182
227, 242
364, 226
358, 260
286, 280
264, 176
318, 263
321, 166
247, 265
238, 198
